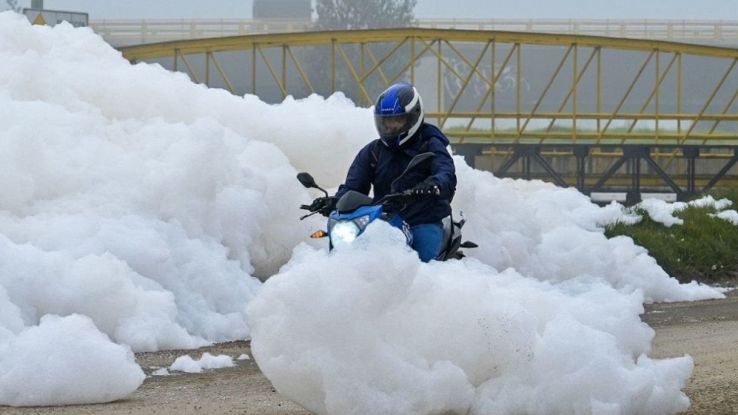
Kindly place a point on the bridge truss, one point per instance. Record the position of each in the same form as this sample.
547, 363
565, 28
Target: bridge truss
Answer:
593, 112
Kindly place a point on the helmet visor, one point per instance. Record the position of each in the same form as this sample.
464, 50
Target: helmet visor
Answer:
392, 125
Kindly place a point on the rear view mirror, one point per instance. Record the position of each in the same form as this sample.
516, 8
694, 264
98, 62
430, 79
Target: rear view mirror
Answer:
307, 180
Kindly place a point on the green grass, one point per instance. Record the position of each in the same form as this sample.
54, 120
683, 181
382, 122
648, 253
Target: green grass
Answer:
703, 248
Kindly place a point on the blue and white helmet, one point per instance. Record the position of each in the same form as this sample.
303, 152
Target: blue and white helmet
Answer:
398, 114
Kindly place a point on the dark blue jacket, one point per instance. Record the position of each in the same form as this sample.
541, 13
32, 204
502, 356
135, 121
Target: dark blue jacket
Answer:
377, 165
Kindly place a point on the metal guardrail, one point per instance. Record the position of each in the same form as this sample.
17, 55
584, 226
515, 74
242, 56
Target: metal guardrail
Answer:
133, 32
128, 32
671, 30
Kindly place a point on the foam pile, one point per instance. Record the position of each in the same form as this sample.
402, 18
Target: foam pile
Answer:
206, 362
134, 198
138, 212
369, 329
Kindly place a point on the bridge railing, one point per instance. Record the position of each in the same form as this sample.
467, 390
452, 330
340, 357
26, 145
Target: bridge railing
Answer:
673, 30
134, 32
128, 32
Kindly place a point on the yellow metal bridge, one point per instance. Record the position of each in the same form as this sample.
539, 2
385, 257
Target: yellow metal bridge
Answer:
138, 31
572, 108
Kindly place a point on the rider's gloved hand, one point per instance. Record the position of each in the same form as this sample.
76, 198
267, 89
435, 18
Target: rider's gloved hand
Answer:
426, 188
324, 205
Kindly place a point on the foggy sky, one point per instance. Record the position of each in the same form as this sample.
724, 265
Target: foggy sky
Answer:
519, 9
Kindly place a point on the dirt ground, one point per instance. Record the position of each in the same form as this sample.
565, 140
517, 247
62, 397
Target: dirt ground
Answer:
706, 330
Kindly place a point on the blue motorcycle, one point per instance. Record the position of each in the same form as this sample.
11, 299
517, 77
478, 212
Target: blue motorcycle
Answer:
355, 211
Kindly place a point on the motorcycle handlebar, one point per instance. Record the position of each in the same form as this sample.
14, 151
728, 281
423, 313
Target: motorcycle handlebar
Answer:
392, 197
404, 196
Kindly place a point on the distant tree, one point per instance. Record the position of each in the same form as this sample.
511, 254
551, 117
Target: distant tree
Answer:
364, 14
357, 15
13, 5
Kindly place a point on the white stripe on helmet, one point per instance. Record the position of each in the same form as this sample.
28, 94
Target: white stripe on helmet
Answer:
408, 108
416, 97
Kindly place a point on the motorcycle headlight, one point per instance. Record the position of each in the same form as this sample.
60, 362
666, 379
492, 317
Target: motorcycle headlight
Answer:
344, 232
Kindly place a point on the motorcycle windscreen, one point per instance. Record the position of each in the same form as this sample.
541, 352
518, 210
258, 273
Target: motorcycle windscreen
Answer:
352, 200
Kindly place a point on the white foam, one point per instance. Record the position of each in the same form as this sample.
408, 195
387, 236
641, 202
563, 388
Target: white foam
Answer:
59, 362
663, 211
148, 204
207, 361
161, 372
728, 215
387, 334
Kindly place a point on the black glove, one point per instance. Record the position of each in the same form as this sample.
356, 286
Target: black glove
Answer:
324, 205
425, 189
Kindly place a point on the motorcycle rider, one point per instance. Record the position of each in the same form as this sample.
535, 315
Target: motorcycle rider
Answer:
403, 133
